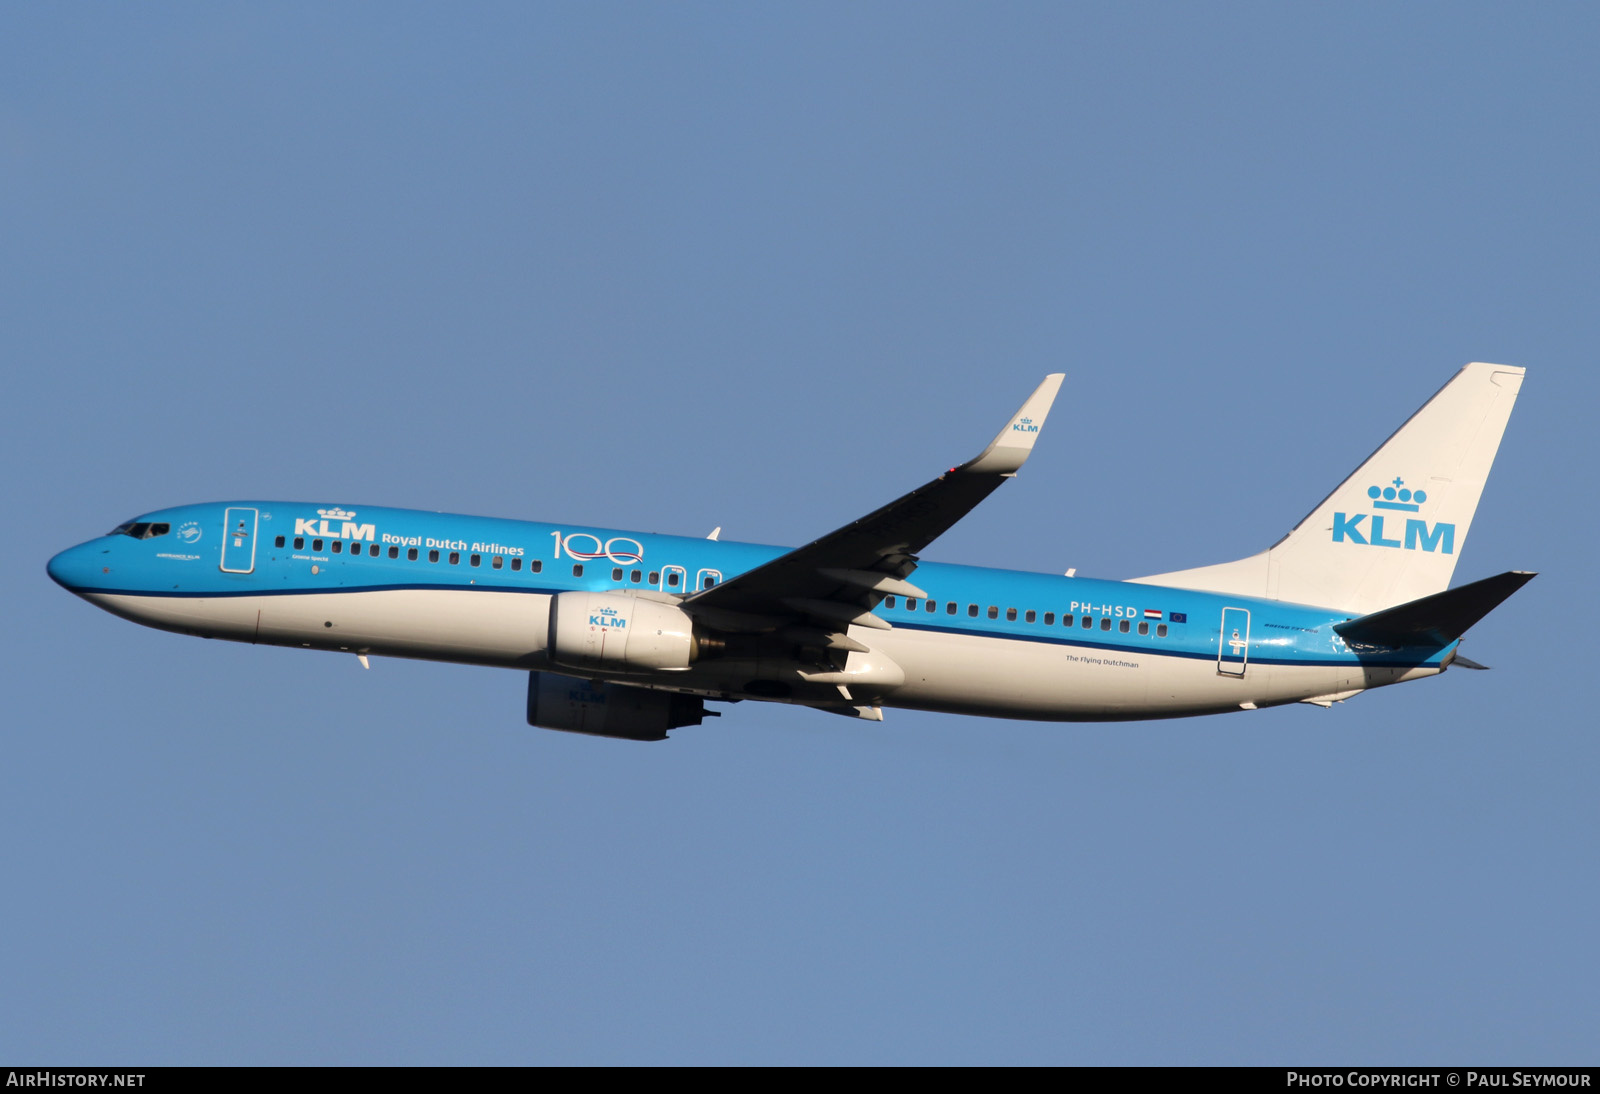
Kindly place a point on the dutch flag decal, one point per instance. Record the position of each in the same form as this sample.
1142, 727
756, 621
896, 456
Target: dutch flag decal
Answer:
1152, 613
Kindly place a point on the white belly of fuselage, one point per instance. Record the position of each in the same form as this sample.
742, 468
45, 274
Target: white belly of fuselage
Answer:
500, 629
995, 677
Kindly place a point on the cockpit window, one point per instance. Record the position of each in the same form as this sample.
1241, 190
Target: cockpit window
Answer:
141, 529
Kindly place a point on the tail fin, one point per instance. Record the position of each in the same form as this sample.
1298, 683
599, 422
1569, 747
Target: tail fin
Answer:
1391, 532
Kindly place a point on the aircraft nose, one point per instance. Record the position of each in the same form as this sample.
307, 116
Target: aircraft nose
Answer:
76, 568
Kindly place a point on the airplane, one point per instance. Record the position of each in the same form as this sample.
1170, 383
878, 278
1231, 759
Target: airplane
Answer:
630, 634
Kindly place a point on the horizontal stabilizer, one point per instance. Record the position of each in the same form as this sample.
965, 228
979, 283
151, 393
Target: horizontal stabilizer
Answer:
1436, 620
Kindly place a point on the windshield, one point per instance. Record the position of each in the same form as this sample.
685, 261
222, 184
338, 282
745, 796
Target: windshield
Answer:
141, 529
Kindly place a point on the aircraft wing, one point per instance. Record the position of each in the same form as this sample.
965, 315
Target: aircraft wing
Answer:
837, 580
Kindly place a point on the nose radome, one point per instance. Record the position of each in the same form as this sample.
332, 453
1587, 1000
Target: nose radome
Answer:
74, 568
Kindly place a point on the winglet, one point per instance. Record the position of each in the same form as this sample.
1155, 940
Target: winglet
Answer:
1009, 450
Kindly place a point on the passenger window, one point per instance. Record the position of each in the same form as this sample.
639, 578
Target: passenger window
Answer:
476, 560
1030, 617
455, 558
536, 566
316, 545
338, 545
1161, 630
972, 610
655, 577
911, 605
1123, 626
411, 554
577, 569
1105, 623
932, 606
516, 564
278, 542
374, 551
433, 556
616, 573
1049, 618
299, 543
1087, 622
950, 608
994, 612
672, 579
888, 602
710, 581
635, 577
394, 552
499, 562
1144, 628
1011, 615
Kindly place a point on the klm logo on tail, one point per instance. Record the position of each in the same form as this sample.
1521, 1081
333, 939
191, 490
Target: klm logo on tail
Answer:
1397, 498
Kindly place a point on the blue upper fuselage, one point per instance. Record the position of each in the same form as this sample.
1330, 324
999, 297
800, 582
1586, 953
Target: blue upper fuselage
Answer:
253, 548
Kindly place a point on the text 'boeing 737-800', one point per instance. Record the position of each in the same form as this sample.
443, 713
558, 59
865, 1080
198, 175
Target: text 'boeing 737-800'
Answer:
628, 634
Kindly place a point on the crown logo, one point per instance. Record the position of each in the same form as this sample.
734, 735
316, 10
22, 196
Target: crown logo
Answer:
336, 514
1399, 496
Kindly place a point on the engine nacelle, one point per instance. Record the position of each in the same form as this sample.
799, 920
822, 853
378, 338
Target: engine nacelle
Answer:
616, 632
608, 710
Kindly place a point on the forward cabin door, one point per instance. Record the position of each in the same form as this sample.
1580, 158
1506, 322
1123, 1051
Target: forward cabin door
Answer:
1233, 646
239, 541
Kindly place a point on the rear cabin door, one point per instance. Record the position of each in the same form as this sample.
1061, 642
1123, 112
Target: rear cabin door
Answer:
1233, 647
239, 541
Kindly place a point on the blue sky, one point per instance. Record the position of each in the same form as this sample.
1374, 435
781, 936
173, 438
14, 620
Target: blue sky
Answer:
670, 267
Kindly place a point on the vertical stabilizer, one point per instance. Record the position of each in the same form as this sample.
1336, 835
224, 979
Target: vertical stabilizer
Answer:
1392, 531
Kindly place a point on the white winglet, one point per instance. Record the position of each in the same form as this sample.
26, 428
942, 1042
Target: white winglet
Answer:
1009, 450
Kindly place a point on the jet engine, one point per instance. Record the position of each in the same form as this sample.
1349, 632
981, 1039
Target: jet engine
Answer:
616, 632
609, 710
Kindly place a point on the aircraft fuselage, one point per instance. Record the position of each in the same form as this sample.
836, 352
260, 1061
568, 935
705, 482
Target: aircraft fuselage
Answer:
474, 590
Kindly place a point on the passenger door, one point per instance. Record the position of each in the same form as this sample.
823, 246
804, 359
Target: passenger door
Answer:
1233, 644
239, 541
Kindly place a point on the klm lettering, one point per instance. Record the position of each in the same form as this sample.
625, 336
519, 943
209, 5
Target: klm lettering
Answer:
607, 620
351, 530
1441, 537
